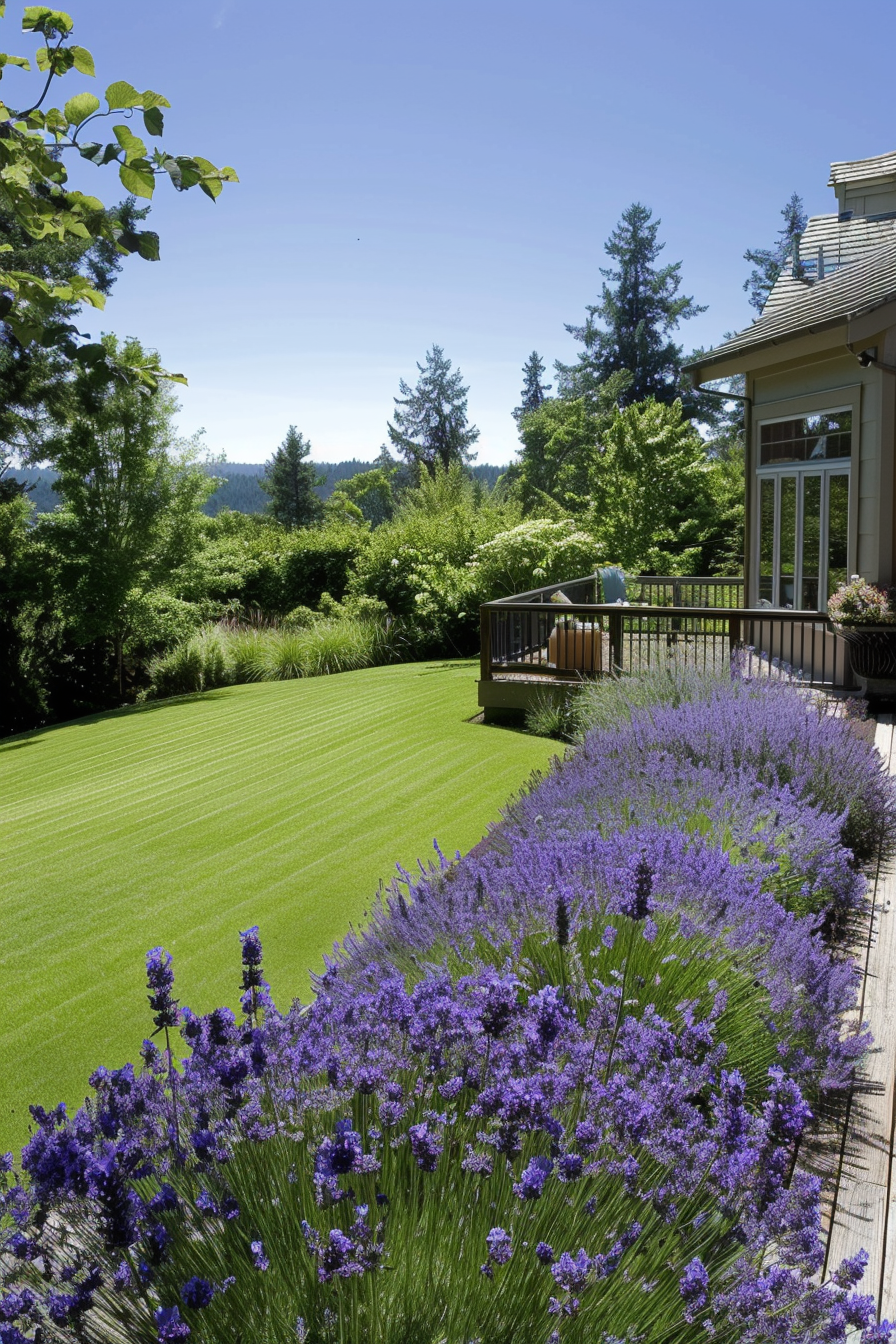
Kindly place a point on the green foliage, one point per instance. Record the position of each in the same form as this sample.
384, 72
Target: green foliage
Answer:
130, 510
651, 506
315, 561
199, 664
372, 493
250, 562
535, 389
430, 426
290, 481
234, 652
33, 147
611, 701
556, 462
552, 714
536, 552
416, 563
768, 262
23, 603
639, 308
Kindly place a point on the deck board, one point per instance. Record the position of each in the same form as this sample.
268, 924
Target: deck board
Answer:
863, 1214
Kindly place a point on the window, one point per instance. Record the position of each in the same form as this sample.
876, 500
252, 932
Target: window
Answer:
810, 438
803, 496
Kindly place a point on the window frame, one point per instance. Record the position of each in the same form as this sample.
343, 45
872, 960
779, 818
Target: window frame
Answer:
832, 401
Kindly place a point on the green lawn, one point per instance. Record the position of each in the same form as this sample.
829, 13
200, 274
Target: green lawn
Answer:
280, 804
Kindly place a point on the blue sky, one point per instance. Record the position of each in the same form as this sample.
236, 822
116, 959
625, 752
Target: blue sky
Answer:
418, 172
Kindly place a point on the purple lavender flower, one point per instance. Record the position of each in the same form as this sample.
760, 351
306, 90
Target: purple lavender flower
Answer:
197, 1293
500, 1248
339, 1155
160, 982
170, 1325
335, 1256
531, 1183
694, 1288
571, 1271
259, 1258
569, 1166
425, 1145
544, 1252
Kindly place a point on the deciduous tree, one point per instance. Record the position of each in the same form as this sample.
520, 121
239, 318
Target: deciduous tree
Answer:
130, 503
34, 144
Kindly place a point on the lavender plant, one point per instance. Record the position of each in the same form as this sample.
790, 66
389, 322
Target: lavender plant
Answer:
553, 1092
492, 1156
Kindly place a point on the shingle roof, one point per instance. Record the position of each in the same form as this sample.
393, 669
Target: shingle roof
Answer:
859, 288
843, 242
862, 170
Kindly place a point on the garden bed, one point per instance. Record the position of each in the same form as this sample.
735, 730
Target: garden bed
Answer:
573, 1087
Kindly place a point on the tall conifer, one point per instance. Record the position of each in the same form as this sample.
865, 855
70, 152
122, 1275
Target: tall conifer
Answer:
290, 482
630, 327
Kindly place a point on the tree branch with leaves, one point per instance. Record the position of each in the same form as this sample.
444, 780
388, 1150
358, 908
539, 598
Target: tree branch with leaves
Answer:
34, 143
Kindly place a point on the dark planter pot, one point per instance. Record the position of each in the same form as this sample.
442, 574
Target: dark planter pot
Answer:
872, 654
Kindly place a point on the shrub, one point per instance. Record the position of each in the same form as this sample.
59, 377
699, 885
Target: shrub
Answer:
198, 664
550, 715
416, 563
315, 561
552, 1138
532, 554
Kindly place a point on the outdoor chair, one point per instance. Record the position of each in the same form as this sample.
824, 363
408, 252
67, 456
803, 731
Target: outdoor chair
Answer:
612, 584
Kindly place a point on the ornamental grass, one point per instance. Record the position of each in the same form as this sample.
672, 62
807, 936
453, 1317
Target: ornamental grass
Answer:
558, 1091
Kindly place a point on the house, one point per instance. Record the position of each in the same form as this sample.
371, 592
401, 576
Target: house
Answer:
819, 366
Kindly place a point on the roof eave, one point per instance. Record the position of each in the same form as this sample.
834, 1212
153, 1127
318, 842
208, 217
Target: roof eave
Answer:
751, 347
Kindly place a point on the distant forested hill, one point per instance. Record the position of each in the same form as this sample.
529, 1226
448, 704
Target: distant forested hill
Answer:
240, 490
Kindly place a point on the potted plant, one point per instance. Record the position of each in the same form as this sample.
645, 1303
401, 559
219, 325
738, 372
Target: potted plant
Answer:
863, 616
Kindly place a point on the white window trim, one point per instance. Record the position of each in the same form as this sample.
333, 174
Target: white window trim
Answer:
847, 398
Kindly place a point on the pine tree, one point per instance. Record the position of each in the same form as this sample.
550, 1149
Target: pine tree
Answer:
768, 262
534, 390
430, 426
639, 307
290, 482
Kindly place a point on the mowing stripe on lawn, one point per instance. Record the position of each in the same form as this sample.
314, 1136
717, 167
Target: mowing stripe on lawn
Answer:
281, 804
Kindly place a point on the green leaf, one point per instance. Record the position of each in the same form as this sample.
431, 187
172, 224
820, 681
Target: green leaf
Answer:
133, 146
21, 61
95, 353
150, 99
122, 94
145, 243
153, 121
41, 19
83, 60
92, 150
61, 59
82, 106
212, 187
140, 181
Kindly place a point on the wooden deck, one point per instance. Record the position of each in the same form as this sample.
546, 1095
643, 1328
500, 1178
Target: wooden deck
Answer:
864, 1195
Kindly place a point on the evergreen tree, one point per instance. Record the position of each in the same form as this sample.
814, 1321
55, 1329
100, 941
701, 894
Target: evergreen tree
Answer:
639, 307
430, 426
290, 482
768, 262
534, 390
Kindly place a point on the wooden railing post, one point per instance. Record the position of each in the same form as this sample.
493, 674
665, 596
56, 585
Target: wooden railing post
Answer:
485, 644
615, 623
733, 634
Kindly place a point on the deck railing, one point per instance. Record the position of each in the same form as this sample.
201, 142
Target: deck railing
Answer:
530, 636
